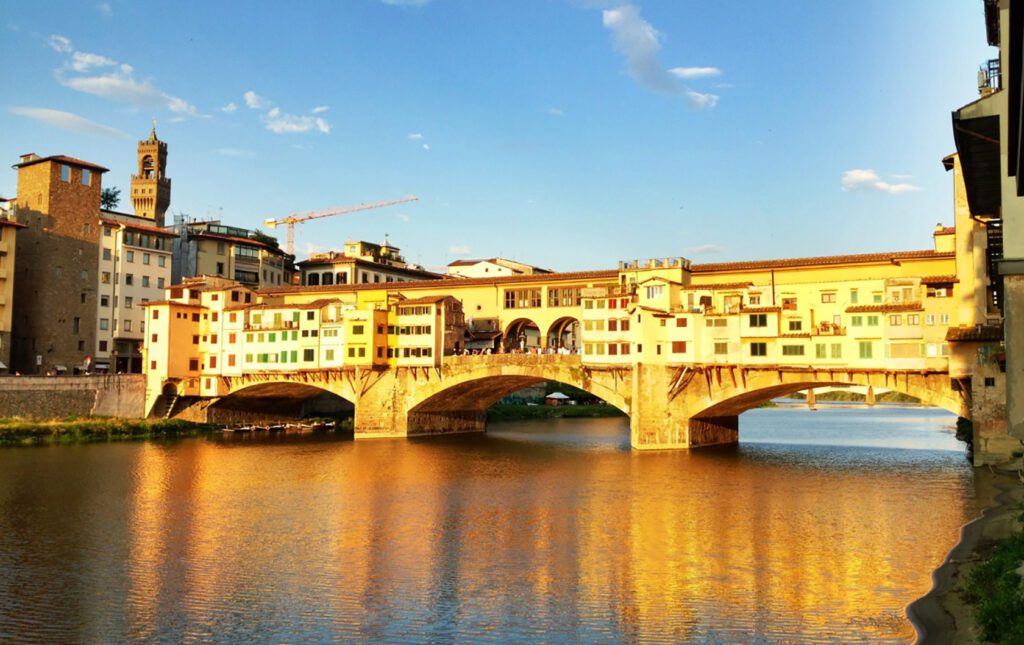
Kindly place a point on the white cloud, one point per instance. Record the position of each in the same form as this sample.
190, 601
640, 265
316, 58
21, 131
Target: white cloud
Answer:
84, 61
640, 43
415, 136
254, 100
280, 122
695, 72
553, 111
59, 44
868, 180
116, 85
105, 9
460, 249
320, 108
426, 146
237, 153
705, 249
402, 216
67, 121
229, 108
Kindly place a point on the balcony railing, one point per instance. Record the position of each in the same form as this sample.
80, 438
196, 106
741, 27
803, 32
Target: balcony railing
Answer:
989, 77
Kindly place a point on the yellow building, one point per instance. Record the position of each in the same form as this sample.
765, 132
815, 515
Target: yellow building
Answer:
362, 263
8, 248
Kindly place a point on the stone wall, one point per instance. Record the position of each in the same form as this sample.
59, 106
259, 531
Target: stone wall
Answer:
41, 397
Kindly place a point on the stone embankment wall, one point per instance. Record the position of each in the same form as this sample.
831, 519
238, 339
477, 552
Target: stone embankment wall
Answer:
55, 397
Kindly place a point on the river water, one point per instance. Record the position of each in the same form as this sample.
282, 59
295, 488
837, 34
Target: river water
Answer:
820, 526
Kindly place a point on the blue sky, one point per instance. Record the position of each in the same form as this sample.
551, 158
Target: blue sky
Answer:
568, 134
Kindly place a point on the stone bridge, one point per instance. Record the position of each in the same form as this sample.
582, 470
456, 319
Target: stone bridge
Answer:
669, 406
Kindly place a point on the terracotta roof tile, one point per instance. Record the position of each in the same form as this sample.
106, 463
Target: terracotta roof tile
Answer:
978, 333
885, 308
759, 310
945, 230
939, 279
63, 159
424, 300
10, 222
139, 227
894, 256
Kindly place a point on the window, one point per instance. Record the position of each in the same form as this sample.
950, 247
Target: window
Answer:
220, 251
866, 350
156, 314
308, 355
613, 325
721, 348
76, 324
65, 173
310, 315
161, 260
678, 346
145, 258
820, 350
129, 279
755, 300
872, 321
522, 298
106, 254
789, 303
913, 319
655, 291
145, 281
107, 231
758, 349
681, 322
796, 325
716, 322
129, 256
104, 323
828, 297
128, 301
758, 320
105, 277
929, 319
153, 338
195, 340
231, 360
357, 330
193, 364
836, 350
876, 297
895, 320
792, 350
853, 296
943, 319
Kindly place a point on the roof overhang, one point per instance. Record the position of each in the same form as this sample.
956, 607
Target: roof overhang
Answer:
976, 133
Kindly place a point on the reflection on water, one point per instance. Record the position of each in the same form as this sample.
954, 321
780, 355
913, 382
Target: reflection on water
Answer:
552, 531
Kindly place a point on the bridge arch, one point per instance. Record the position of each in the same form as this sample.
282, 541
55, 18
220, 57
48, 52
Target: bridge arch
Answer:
758, 386
564, 332
521, 334
471, 384
277, 399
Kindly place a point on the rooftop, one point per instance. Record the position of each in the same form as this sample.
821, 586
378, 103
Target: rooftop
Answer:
32, 158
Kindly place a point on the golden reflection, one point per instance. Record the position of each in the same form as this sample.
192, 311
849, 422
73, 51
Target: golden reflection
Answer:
474, 537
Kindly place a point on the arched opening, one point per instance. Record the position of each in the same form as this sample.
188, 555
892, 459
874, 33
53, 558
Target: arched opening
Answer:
280, 401
147, 167
169, 389
464, 407
521, 335
564, 334
313, 279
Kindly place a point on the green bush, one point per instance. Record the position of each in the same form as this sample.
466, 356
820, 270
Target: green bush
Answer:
964, 430
995, 587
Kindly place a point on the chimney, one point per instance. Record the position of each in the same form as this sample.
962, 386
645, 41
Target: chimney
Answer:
29, 157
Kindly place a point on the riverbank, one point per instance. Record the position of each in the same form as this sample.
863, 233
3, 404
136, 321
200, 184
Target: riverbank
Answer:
17, 432
515, 412
944, 615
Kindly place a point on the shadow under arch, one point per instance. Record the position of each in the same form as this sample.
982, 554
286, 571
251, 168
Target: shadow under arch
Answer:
740, 403
463, 406
279, 400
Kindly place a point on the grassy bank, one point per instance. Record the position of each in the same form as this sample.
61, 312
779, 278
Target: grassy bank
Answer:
16, 431
507, 412
996, 589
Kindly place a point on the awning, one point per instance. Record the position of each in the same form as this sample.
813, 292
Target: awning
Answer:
557, 395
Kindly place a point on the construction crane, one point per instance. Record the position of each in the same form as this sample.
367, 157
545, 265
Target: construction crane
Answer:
298, 218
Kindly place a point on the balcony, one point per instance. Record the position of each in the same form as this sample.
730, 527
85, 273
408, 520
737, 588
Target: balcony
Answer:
989, 77
829, 329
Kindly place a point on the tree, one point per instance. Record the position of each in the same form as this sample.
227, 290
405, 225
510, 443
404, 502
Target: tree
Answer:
110, 198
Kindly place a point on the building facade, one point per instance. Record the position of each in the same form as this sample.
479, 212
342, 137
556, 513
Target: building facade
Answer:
8, 254
360, 263
491, 267
239, 254
988, 138
54, 318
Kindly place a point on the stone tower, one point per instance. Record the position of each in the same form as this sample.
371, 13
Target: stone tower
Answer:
151, 189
